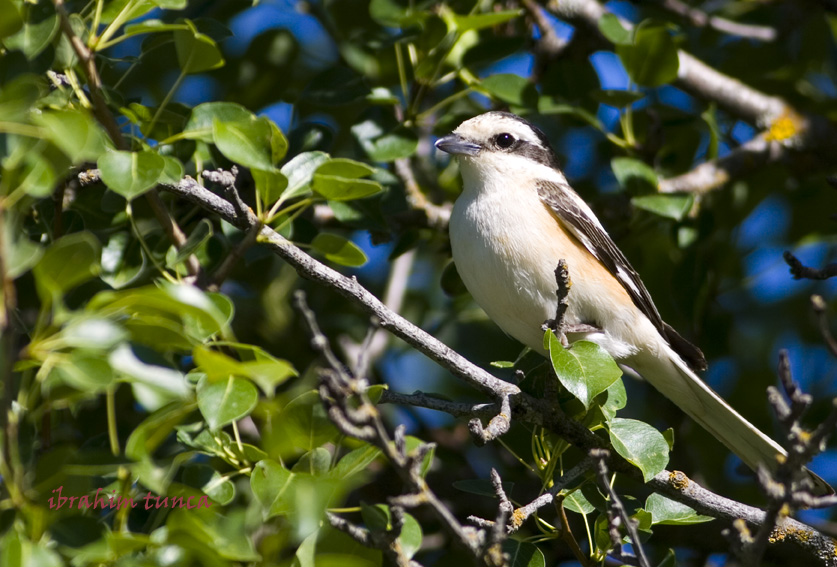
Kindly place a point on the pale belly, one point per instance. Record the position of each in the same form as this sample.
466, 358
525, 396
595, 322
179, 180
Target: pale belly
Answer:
506, 252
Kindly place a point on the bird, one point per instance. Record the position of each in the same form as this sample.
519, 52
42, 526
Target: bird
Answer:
516, 218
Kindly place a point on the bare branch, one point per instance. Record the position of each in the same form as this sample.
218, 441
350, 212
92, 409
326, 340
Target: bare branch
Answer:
437, 216
617, 513
701, 19
800, 271
818, 304
499, 424
713, 174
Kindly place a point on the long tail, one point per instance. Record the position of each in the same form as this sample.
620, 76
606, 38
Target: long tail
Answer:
669, 374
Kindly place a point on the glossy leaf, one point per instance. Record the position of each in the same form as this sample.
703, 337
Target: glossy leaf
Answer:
613, 30
634, 176
200, 123
338, 249
270, 184
68, 262
226, 400
196, 52
523, 554
670, 206
300, 171
247, 142
666, 511
651, 59
306, 421
11, 21
382, 144
482, 21
355, 462
512, 89
336, 188
343, 167
639, 444
76, 133
585, 369
131, 174
616, 98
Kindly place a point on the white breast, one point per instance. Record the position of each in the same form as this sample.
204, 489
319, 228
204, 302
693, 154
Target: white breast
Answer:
506, 246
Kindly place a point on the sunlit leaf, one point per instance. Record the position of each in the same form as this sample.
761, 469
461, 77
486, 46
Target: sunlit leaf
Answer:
131, 173
585, 369
223, 401
640, 444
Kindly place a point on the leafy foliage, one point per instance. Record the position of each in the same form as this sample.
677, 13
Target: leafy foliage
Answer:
149, 349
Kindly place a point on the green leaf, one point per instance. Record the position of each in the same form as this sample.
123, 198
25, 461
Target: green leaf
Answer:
75, 133
131, 174
200, 123
482, 21
300, 171
210, 481
385, 145
616, 98
306, 552
196, 52
617, 399
578, 503
66, 263
270, 184
223, 401
639, 444
84, 371
247, 142
355, 462
502, 364
10, 20
512, 89
481, 487
343, 167
152, 26
18, 96
613, 30
670, 206
40, 25
154, 386
634, 176
200, 234
336, 188
666, 511
338, 249
651, 60
155, 429
585, 369
271, 484
306, 421
262, 368
172, 171
523, 554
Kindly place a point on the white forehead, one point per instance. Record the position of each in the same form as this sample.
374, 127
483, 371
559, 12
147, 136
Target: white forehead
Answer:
485, 126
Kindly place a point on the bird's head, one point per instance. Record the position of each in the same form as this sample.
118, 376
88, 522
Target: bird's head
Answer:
498, 137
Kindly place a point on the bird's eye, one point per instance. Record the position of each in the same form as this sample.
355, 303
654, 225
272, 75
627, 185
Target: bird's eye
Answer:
504, 140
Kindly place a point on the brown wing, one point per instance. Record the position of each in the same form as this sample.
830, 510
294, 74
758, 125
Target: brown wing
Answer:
562, 201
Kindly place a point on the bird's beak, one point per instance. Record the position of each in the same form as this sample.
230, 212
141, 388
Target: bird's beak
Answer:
456, 145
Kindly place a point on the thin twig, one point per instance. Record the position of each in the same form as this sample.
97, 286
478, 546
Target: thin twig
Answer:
617, 513
800, 271
701, 19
